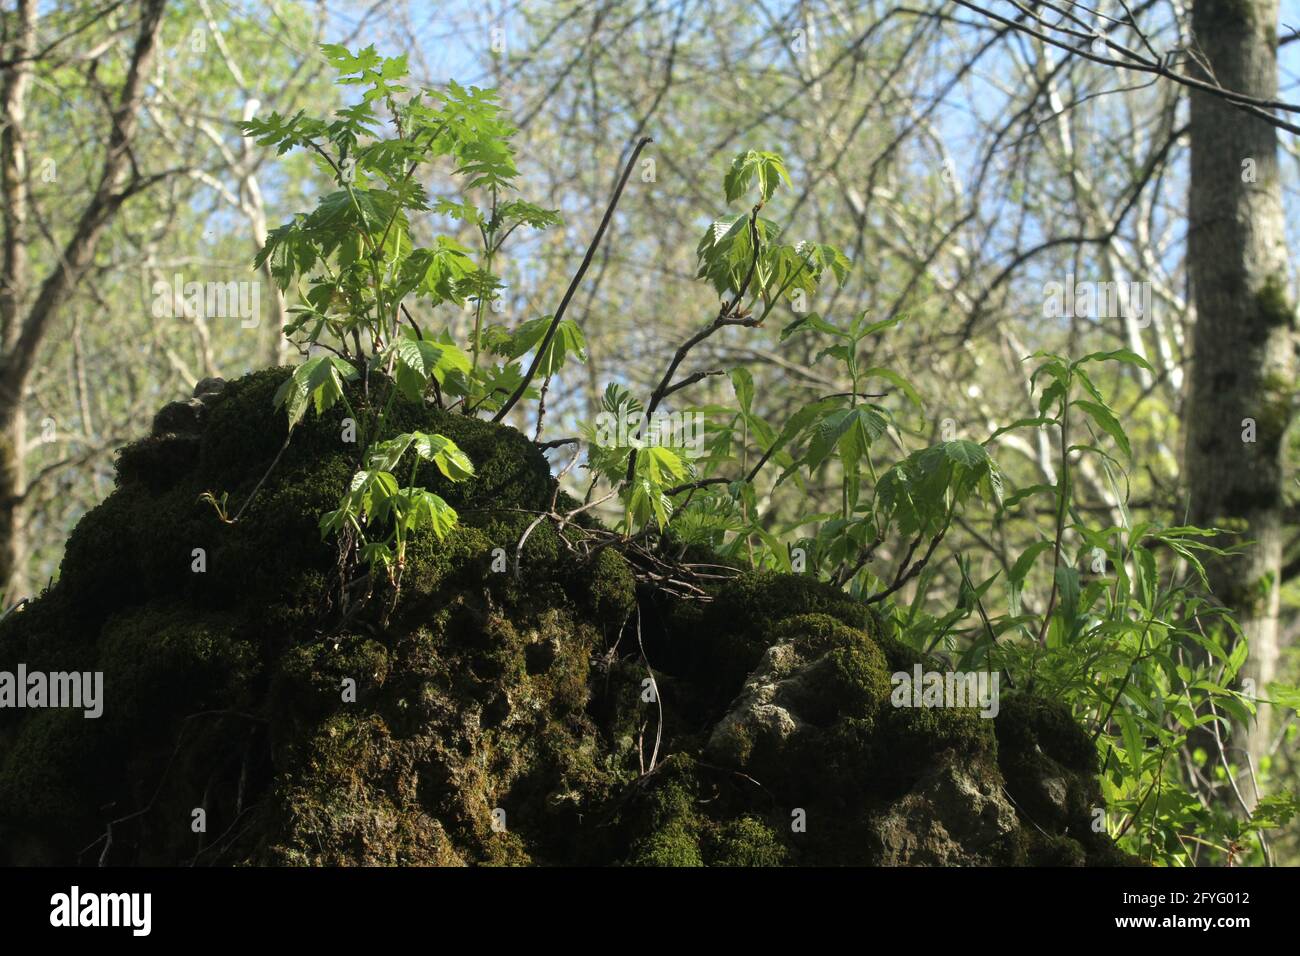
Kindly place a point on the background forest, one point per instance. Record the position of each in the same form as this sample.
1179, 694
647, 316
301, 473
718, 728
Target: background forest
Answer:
1008, 180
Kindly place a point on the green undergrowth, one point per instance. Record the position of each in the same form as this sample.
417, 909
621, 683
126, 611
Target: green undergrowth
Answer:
492, 714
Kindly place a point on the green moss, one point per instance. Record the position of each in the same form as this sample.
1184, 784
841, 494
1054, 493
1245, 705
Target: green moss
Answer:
479, 689
433, 566
100, 559
244, 431
607, 587
746, 842
49, 766
898, 656
1052, 850
667, 824
1273, 304
850, 680
1102, 851
44, 633
721, 643
1026, 723
310, 678
675, 845
160, 664
935, 729
910, 738
159, 462
1048, 761
756, 600
856, 680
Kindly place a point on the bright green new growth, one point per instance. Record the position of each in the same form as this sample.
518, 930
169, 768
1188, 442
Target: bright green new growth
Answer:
354, 264
1107, 644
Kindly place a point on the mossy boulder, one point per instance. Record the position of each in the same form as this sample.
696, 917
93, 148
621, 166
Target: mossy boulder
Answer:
506, 705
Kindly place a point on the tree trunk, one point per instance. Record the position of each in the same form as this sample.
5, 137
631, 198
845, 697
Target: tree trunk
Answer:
20, 49
1242, 371
24, 332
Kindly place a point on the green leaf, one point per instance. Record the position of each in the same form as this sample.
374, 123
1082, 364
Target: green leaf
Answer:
812, 322
920, 492
1133, 747
567, 340
318, 380
889, 375
1108, 423
743, 384
370, 494
348, 63
850, 430
646, 501
769, 169
1126, 356
1018, 424
1020, 570
289, 251
726, 252
424, 509
439, 449
662, 465
445, 454
822, 257
419, 360
438, 272
1067, 581
1284, 695
518, 211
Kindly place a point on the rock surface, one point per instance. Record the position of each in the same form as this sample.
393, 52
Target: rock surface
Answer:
496, 719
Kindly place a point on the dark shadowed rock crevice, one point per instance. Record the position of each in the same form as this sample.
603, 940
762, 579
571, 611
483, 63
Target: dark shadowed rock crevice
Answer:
497, 718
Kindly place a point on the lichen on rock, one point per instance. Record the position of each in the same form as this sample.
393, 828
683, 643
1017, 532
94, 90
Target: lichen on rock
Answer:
492, 714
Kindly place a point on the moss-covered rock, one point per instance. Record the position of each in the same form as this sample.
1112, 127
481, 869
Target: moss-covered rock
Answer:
507, 705
1049, 763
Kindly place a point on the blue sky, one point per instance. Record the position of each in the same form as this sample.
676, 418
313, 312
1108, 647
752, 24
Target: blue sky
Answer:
453, 35
452, 39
